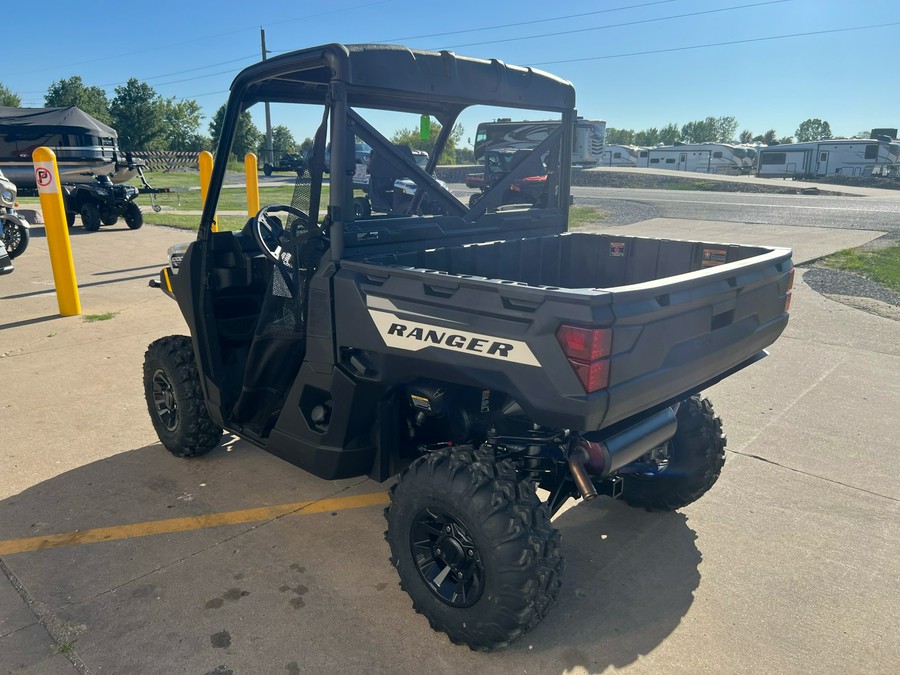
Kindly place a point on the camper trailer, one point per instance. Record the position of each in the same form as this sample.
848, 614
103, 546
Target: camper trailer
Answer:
82, 145
721, 158
845, 157
621, 155
587, 142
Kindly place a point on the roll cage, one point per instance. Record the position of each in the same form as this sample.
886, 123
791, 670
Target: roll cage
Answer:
345, 79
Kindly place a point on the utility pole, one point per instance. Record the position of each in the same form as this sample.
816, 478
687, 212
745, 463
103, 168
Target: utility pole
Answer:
270, 156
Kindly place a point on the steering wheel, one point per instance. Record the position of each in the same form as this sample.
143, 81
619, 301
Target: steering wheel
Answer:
278, 244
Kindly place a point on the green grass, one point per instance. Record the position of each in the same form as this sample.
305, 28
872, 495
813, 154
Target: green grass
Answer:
880, 265
581, 216
230, 198
90, 318
65, 647
191, 222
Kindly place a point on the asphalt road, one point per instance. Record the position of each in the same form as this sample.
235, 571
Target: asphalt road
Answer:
860, 213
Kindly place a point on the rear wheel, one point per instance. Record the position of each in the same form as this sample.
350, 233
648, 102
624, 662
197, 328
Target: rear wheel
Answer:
133, 216
90, 217
174, 398
473, 546
267, 169
696, 455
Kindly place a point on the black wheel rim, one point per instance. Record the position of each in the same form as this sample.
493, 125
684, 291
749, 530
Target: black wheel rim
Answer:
447, 558
164, 400
11, 238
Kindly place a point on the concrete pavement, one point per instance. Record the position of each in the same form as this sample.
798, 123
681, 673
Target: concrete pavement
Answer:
790, 563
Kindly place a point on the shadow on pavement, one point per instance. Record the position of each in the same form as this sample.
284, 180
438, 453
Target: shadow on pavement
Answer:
29, 322
629, 580
105, 282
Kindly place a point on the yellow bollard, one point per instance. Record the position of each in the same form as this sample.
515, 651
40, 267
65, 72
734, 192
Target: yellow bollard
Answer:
46, 175
206, 167
251, 169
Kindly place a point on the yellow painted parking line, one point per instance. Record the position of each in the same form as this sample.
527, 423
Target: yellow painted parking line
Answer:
170, 525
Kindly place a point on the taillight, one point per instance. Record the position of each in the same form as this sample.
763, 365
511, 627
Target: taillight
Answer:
587, 350
787, 300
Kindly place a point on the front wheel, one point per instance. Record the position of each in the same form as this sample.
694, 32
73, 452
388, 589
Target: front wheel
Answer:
15, 237
174, 398
473, 546
133, 216
696, 454
90, 217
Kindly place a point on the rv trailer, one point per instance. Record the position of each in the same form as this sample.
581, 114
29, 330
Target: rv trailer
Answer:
815, 159
504, 133
621, 155
721, 158
81, 143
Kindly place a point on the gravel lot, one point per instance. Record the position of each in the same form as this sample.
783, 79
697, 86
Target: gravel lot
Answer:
838, 282
623, 212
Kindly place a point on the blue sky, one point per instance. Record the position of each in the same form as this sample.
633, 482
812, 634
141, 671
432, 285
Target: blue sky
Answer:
633, 62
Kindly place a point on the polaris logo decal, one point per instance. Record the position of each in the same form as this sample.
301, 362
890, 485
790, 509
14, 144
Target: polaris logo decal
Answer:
414, 336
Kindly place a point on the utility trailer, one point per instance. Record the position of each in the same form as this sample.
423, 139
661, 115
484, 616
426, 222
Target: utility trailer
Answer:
466, 354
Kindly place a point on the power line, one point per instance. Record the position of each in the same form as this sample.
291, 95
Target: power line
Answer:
209, 37
719, 44
527, 23
180, 72
621, 25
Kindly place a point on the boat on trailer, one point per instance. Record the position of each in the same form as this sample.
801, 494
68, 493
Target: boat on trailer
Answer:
82, 144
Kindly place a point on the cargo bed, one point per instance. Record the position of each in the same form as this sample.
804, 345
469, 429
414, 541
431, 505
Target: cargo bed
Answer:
683, 314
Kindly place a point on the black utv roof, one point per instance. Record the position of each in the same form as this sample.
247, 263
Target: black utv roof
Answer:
393, 77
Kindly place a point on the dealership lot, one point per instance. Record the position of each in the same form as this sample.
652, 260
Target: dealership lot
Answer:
119, 557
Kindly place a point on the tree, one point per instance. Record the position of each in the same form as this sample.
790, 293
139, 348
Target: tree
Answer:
181, 125
412, 138
73, 91
699, 131
726, 127
138, 115
465, 155
282, 141
813, 130
8, 98
669, 134
746, 136
768, 138
785, 139
246, 139
647, 137
710, 130
619, 136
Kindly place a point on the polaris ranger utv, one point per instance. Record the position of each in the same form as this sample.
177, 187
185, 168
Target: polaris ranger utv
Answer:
483, 353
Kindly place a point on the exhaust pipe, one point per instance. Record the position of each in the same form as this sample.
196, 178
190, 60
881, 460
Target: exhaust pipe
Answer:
580, 455
611, 454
